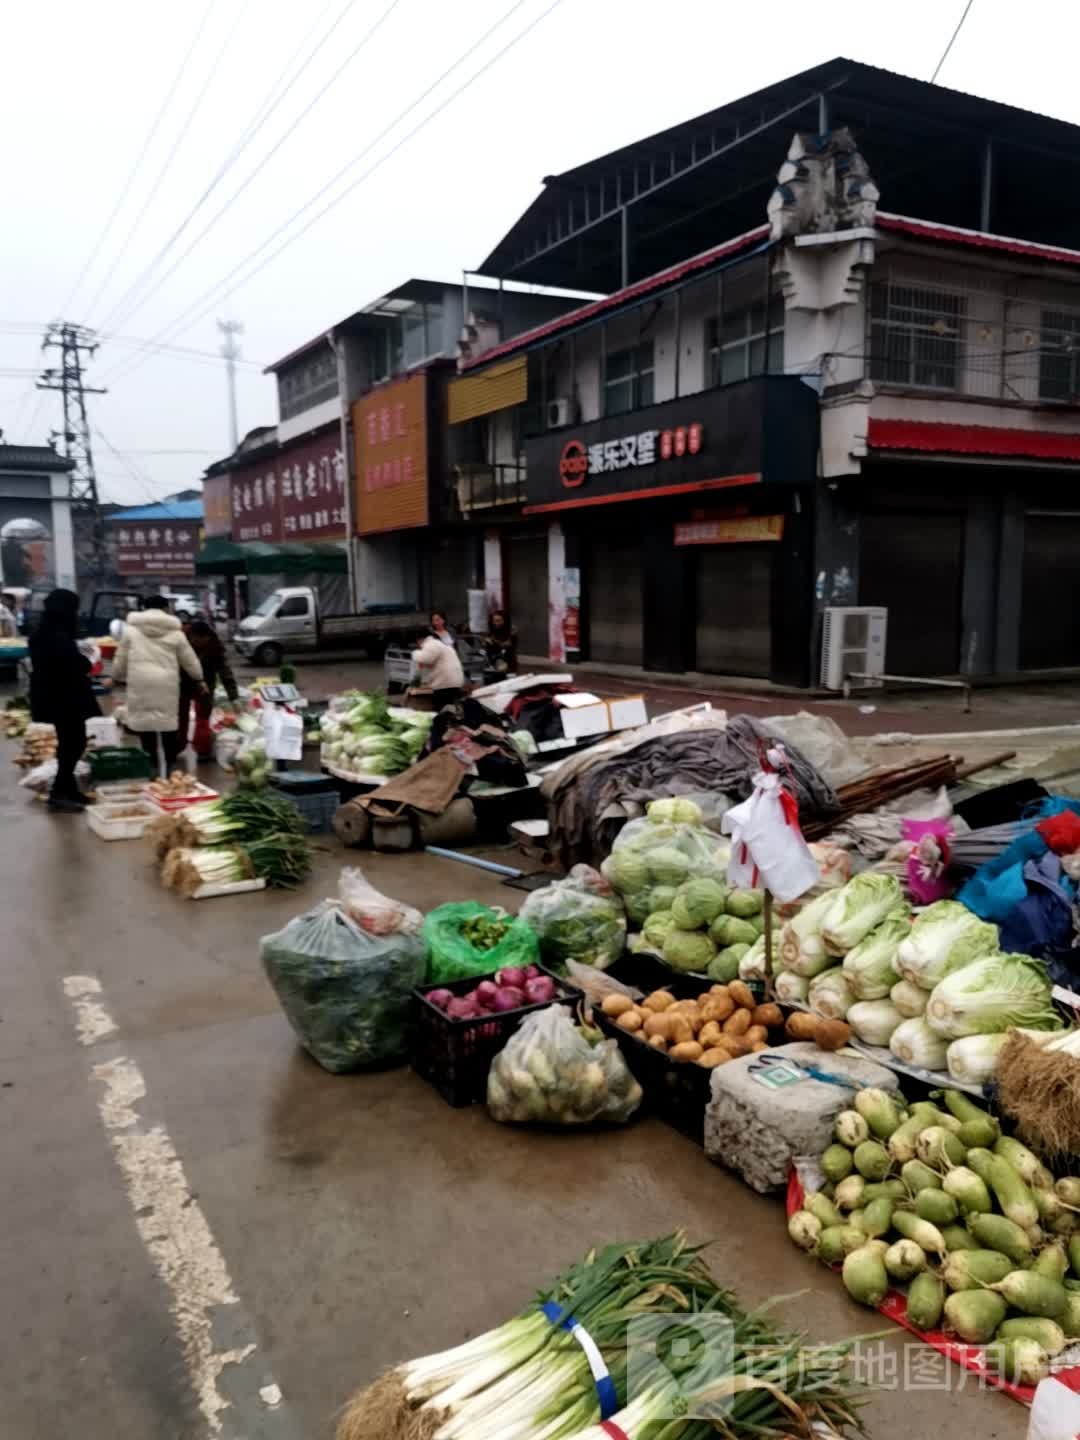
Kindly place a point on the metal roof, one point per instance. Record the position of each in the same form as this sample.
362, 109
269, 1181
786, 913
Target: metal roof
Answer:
712, 175
40, 458
164, 510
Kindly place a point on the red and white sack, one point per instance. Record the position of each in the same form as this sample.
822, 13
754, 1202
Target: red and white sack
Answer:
767, 847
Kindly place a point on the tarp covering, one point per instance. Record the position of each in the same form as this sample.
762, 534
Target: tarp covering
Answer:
219, 556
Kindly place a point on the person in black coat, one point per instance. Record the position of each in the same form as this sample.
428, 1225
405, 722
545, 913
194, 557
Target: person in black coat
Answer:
61, 693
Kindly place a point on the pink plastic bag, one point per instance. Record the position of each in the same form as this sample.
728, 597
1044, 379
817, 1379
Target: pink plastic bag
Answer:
928, 863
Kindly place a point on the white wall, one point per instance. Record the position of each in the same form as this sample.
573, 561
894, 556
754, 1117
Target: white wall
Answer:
63, 540
325, 414
385, 570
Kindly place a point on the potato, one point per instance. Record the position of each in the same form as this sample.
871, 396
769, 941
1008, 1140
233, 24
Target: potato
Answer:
711, 1058
658, 1042
757, 1049
832, 1034
721, 990
737, 1024
801, 1026
616, 1005
735, 1045
717, 1007
629, 1020
689, 1050
756, 1033
768, 1015
681, 1029
659, 1000
743, 996
710, 1033
659, 1024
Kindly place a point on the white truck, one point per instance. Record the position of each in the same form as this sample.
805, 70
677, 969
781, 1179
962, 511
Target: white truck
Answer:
289, 622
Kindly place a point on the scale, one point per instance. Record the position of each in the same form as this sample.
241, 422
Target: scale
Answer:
280, 694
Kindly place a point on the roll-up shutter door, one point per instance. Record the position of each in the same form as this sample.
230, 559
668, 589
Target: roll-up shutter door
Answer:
1050, 593
913, 564
613, 599
453, 572
525, 558
734, 609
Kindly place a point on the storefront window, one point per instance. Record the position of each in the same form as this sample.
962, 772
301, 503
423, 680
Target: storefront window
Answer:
312, 380
915, 336
628, 379
1059, 355
746, 340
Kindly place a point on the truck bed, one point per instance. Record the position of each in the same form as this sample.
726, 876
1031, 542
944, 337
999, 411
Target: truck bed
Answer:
339, 627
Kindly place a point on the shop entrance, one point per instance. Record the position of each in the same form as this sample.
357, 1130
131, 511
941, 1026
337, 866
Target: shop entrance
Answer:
452, 568
913, 564
614, 599
734, 609
525, 558
1050, 591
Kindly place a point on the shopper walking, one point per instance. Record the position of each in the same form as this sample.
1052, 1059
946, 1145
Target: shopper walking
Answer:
438, 666
149, 658
206, 643
61, 693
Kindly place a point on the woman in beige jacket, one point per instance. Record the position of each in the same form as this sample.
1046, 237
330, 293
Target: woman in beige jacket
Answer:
438, 666
149, 659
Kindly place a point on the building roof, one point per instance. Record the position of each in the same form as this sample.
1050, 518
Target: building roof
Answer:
932, 437
164, 510
976, 239
713, 174
39, 458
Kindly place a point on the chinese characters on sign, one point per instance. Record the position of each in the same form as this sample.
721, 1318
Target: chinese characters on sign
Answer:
298, 494
390, 426
735, 530
156, 548
627, 451
217, 505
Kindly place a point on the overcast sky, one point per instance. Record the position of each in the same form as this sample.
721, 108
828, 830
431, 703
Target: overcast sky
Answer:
84, 85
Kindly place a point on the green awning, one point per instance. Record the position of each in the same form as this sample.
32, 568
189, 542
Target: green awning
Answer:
219, 556
225, 557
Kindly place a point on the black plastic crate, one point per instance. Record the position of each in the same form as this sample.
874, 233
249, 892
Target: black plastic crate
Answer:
677, 1091
646, 971
302, 782
455, 1055
318, 808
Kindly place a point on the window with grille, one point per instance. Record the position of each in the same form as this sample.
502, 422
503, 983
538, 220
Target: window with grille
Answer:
747, 340
308, 382
915, 336
628, 379
1059, 355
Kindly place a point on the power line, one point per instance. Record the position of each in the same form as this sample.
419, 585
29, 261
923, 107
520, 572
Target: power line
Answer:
138, 341
181, 136
224, 209
952, 38
73, 341
179, 327
133, 173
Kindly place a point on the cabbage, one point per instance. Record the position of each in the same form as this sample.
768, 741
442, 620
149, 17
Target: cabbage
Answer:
974, 1058
651, 859
627, 871
752, 964
745, 903
791, 989
580, 918
869, 966
655, 930
944, 937
667, 866
914, 1043
873, 1021
992, 994
831, 995
856, 909
801, 946
688, 950
674, 807
909, 999
725, 966
730, 930
662, 897
698, 902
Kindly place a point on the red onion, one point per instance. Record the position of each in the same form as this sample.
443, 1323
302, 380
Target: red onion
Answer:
461, 1007
512, 975
484, 994
509, 997
539, 990
441, 998
531, 972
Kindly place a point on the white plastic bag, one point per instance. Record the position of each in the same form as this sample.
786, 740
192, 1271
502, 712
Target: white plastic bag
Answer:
373, 911
41, 777
284, 732
550, 1073
1055, 1413
768, 850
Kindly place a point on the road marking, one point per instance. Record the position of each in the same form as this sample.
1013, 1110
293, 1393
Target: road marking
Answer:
169, 1219
92, 1020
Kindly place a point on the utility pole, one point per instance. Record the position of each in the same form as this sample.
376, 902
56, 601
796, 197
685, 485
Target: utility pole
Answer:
230, 329
88, 526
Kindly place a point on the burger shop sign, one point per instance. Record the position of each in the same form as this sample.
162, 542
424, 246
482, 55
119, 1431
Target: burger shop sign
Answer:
646, 447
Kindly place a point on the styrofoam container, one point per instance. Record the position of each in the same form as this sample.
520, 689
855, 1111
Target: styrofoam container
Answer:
114, 821
167, 805
113, 791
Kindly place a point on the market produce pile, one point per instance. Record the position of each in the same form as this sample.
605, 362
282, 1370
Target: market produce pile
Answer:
989, 1242
724, 1022
465, 938
531, 1376
364, 735
15, 719
580, 918
39, 744
507, 989
556, 1071
934, 989
244, 836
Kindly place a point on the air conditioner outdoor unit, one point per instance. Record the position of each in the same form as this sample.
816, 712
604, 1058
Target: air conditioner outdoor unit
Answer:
853, 643
558, 413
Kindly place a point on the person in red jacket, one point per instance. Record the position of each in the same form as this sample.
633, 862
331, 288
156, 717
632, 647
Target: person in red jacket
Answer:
204, 640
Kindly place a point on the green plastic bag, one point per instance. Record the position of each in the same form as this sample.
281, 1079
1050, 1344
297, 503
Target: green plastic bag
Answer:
452, 955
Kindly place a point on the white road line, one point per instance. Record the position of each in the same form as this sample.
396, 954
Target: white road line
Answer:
92, 1020
170, 1221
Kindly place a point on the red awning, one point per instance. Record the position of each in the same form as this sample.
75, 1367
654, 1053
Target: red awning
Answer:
937, 438
979, 239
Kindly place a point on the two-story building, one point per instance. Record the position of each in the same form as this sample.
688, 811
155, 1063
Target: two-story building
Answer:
838, 370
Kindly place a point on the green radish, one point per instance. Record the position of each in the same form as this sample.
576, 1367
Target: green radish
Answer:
865, 1277
823, 1209
856, 1218
836, 1163
878, 1217
1033, 1294
876, 1246
957, 1238
981, 1161
878, 1109
850, 1129
872, 1160
1070, 1320
934, 1115
1074, 1254
925, 1301
913, 1227
969, 1192
978, 1132
995, 1232
1024, 1161
975, 1315
968, 1113
1048, 1333
972, 1269
1049, 1205
904, 1260
1014, 1197
849, 1192
838, 1241
1052, 1261
1064, 1225
1021, 1360
917, 1176
940, 1148
1068, 1190
936, 1206
901, 1142
885, 1190
805, 1229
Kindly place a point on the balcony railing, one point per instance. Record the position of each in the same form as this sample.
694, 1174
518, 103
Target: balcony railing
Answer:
486, 487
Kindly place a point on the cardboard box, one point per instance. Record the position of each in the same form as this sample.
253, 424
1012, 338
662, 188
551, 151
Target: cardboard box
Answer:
588, 715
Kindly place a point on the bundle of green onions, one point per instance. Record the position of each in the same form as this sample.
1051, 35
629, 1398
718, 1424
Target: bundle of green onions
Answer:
531, 1378
243, 836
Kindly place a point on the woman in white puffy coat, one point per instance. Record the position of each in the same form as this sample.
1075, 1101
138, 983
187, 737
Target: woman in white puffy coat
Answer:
149, 659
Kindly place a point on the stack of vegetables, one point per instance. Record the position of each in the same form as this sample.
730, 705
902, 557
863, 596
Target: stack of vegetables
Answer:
557, 1070
989, 1242
936, 992
723, 1023
531, 1376
580, 918
39, 745
249, 835
16, 717
653, 856
364, 735
707, 929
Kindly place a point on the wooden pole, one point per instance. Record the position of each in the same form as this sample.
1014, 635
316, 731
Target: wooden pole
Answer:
768, 946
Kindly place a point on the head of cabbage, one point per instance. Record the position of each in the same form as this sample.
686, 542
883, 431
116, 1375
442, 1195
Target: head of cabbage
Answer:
724, 966
745, 903
731, 930
674, 807
666, 865
698, 902
662, 896
688, 950
655, 930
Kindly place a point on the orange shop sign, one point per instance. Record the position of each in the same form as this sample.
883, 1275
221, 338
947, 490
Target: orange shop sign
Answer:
390, 430
730, 530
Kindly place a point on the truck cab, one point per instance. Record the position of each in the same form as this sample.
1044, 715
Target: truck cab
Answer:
287, 620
